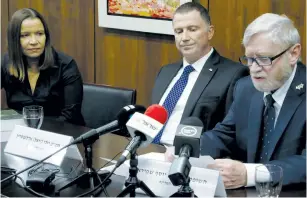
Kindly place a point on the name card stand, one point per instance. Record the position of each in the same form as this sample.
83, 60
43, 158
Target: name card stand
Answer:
154, 173
37, 144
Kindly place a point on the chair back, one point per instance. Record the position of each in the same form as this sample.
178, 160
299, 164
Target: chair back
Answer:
102, 103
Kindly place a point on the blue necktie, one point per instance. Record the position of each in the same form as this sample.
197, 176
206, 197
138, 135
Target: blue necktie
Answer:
268, 128
173, 97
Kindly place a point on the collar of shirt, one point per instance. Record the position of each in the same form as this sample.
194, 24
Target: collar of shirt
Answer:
280, 94
199, 64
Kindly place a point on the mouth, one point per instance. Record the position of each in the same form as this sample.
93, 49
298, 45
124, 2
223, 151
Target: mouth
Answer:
187, 47
257, 78
34, 49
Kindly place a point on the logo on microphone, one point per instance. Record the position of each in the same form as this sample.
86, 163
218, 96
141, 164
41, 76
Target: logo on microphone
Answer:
147, 124
188, 131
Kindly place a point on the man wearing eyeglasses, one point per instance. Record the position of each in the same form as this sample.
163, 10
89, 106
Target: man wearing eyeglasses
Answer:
266, 123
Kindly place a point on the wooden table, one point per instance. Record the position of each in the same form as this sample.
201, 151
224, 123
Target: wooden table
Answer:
110, 145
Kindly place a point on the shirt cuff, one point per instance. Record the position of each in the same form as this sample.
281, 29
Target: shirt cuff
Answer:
250, 170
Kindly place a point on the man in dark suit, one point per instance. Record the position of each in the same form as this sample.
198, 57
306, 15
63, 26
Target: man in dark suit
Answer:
206, 90
266, 123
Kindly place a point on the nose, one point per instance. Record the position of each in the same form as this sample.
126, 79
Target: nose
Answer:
185, 36
254, 68
33, 40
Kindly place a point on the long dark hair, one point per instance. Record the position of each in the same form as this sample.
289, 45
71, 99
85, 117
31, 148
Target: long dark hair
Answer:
17, 61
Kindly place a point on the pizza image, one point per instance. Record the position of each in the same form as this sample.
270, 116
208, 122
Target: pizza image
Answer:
157, 9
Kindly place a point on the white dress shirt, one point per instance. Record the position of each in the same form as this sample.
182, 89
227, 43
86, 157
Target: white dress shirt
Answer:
174, 119
279, 97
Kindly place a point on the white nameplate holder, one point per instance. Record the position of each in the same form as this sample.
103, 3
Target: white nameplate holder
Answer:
37, 144
154, 173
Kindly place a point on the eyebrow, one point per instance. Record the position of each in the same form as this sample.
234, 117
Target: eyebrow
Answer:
41, 30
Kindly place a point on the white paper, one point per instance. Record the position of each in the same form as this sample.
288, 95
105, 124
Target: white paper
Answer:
153, 170
7, 127
37, 144
5, 135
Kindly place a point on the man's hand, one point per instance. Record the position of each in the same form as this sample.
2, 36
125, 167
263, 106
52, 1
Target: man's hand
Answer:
233, 172
169, 154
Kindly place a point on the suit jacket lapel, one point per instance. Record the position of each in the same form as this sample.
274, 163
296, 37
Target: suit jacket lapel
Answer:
254, 125
201, 82
164, 81
292, 100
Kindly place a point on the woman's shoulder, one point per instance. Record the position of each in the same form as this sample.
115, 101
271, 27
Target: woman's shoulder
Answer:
66, 63
62, 59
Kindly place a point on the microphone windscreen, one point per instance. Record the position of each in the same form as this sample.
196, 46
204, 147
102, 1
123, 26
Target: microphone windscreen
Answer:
126, 112
157, 112
193, 121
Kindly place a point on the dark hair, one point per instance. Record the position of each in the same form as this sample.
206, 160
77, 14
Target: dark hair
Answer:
17, 60
191, 6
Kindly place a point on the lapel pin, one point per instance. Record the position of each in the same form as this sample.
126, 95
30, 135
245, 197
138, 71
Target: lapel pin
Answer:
210, 70
300, 86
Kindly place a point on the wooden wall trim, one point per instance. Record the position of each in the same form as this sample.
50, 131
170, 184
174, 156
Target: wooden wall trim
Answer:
4, 23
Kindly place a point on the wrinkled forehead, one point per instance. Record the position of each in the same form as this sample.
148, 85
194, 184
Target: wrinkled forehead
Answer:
261, 44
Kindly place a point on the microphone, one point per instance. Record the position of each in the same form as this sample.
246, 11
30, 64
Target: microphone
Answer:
187, 143
144, 128
122, 117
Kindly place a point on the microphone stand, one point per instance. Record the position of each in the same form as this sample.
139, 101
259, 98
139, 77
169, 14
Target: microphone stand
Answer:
132, 183
182, 176
89, 178
185, 190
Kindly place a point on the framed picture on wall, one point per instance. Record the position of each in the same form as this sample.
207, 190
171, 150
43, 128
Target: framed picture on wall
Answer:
154, 16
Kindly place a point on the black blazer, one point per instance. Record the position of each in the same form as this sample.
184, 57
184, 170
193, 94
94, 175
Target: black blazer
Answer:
239, 133
212, 93
58, 89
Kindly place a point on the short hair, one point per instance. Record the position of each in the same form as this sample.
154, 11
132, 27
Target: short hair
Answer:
191, 6
17, 61
279, 28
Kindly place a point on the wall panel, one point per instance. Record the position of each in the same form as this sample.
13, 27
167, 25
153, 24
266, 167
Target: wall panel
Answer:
4, 22
231, 17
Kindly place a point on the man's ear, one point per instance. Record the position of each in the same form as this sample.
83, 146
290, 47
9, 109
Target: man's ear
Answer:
295, 53
210, 32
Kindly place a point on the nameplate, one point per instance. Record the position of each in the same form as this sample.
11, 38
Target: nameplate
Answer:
37, 144
154, 173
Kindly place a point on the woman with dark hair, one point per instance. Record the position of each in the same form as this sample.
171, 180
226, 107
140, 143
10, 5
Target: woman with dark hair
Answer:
33, 73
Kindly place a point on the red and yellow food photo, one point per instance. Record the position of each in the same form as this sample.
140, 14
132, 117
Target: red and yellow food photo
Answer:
158, 9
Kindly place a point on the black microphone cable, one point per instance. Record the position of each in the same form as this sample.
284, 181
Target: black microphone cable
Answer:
99, 185
35, 164
41, 161
109, 175
30, 190
27, 188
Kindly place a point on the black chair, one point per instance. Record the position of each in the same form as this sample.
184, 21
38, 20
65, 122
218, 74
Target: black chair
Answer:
102, 103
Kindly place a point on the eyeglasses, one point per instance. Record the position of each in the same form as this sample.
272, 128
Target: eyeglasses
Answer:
261, 61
